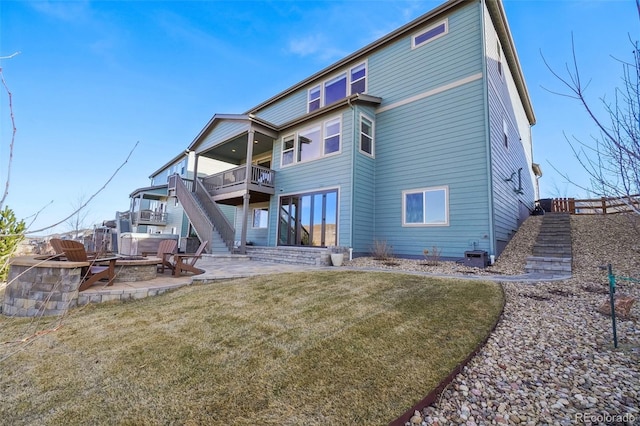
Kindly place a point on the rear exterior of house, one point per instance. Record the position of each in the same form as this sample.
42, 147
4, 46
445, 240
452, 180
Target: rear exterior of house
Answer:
419, 140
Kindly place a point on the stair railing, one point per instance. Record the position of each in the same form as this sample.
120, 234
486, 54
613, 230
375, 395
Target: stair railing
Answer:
217, 218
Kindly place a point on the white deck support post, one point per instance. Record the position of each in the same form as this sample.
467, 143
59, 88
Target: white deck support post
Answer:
247, 181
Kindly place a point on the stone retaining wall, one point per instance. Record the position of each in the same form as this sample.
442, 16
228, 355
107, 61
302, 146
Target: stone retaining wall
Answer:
41, 288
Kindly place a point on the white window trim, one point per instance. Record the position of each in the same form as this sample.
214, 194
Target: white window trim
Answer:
373, 136
335, 77
366, 76
293, 149
429, 28
325, 136
423, 190
296, 135
253, 213
319, 87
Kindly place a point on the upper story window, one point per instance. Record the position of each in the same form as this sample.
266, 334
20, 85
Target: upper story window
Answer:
358, 79
505, 133
366, 135
313, 142
338, 87
499, 57
332, 136
314, 98
430, 34
335, 89
288, 144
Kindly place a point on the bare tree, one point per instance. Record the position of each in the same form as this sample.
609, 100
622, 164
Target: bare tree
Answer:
611, 159
78, 221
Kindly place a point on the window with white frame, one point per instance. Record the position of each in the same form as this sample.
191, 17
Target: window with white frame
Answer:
499, 57
313, 142
260, 217
288, 145
431, 33
335, 89
314, 98
425, 207
309, 144
358, 79
332, 136
366, 135
338, 87
505, 133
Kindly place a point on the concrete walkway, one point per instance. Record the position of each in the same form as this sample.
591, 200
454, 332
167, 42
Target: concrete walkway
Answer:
229, 267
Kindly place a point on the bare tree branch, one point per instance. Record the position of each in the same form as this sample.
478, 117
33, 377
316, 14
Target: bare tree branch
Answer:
612, 159
88, 200
13, 132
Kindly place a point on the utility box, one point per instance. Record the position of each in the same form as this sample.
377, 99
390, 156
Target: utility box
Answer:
476, 258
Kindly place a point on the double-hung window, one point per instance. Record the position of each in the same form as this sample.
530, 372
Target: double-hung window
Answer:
288, 145
314, 98
358, 79
332, 136
425, 207
366, 136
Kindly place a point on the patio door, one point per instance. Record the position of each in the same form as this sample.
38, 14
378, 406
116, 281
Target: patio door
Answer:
309, 219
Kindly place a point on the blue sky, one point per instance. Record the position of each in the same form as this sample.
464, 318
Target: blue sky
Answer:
95, 77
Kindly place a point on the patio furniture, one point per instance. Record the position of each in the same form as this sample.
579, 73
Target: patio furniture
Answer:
165, 249
74, 251
185, 262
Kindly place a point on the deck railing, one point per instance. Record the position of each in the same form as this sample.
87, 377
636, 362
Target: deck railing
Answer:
603, 205
229, 179
151, 217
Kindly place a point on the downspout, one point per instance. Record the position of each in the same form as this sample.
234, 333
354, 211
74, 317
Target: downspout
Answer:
353, 174
485, 86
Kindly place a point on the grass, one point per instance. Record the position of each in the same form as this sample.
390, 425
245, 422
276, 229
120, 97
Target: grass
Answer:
318, 348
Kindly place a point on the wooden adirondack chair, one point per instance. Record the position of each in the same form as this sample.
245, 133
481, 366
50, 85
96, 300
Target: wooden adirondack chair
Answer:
165, 249
74, 251
185, 262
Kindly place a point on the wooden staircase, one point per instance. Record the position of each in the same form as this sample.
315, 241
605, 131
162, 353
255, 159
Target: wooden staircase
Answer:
552, 251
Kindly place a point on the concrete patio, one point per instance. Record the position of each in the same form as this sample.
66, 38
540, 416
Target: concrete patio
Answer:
216, 268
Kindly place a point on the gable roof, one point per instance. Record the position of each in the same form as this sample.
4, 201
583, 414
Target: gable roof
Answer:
169, 163
498, 16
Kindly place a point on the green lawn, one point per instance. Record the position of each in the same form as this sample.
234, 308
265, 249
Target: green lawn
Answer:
317, 348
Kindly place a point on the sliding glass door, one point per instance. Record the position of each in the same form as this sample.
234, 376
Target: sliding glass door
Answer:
309, 219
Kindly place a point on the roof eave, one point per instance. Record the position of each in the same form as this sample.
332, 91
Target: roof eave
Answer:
498, 15
357, 98
169, 163
219, 117
400, 32
147, 189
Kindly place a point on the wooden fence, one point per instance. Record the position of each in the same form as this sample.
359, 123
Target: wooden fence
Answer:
604, 205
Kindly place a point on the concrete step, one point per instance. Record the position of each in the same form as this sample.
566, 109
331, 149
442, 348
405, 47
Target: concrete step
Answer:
295, 255
548, 265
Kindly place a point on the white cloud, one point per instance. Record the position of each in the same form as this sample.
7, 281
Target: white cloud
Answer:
69, 11
306, 46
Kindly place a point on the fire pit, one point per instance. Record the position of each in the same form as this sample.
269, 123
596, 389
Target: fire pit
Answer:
135, 268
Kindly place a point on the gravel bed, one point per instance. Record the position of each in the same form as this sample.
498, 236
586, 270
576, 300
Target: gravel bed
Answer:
551, 359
